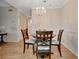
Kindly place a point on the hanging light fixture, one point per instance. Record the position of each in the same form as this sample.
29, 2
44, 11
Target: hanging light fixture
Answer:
41, 10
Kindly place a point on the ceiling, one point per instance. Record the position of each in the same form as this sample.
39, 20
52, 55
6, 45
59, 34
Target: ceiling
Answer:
3, 3
26, 5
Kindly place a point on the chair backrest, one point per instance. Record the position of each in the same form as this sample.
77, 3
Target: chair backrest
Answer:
60, 34
44, 36
24, 33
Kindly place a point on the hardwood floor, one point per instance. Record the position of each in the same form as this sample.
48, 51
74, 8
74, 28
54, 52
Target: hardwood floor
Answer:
15, 51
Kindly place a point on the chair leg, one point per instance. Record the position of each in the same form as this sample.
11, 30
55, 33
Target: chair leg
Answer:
59, 49
49, 56
33, 50
37, 55
24, 49
27, 46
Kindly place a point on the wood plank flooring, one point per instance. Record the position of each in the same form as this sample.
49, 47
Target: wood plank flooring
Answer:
15, 51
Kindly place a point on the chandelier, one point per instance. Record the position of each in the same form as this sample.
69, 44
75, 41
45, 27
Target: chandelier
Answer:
40, 11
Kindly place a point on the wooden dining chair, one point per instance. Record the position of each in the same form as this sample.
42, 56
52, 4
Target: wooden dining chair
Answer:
57, 42
43, 40
26, 39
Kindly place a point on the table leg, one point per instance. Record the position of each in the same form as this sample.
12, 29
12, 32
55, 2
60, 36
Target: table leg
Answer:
2, 41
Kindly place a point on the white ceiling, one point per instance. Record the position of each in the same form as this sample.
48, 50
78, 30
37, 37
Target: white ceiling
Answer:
3, 3
36, 3
26, 5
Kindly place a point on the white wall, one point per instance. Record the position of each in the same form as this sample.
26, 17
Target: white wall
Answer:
23, 20
9, 20
52, 20
0, 18
70, 24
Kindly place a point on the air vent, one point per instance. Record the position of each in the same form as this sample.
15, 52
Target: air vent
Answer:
10, 10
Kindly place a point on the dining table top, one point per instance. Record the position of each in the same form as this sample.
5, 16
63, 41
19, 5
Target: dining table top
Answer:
2, 33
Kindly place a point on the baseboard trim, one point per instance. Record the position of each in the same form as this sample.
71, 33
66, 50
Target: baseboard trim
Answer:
17, 40
69, 49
